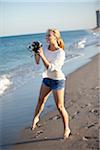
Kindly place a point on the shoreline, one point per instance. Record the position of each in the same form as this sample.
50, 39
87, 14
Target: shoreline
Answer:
23, 97
82, 106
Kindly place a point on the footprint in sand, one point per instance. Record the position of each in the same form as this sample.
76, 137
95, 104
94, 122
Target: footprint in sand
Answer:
38, 133
55, 117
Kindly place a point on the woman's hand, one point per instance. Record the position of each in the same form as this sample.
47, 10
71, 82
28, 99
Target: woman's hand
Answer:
44, 59
40, 52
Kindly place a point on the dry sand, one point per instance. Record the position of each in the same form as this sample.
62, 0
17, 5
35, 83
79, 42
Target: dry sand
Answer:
96, 29
82, 104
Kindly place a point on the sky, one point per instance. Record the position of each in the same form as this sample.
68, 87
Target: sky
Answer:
19, 17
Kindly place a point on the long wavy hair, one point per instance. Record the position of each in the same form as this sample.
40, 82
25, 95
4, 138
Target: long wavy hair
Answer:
58, 37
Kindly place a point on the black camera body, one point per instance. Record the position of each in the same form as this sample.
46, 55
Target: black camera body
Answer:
35, 46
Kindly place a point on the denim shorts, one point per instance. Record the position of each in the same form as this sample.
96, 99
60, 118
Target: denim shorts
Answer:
54, 84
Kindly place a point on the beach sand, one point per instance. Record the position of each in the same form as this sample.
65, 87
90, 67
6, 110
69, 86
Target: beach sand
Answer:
82, 104
96, 29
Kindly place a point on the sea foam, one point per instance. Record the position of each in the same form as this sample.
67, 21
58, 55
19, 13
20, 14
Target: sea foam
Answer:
5, 83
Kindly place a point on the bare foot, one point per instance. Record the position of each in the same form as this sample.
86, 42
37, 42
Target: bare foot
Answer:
67, 134
34, 124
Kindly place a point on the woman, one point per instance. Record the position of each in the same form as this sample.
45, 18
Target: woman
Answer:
53, 78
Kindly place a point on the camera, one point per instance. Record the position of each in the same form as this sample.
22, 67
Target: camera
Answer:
35, 46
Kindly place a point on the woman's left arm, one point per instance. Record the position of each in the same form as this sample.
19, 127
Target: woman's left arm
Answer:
37, 58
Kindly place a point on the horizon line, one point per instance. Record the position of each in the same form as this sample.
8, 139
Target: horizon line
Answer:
13, 35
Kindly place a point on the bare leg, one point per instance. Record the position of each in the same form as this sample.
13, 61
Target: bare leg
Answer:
59, 99
44, 93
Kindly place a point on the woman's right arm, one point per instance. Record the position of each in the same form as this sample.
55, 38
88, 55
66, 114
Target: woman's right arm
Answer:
37, 58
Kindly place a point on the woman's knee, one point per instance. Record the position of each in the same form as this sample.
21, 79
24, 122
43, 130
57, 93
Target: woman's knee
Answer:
42, 100
60, 107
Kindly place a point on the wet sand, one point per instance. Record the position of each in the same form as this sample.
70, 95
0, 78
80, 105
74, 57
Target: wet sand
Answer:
82, 103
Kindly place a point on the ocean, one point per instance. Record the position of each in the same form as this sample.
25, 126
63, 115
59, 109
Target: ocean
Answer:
20, 77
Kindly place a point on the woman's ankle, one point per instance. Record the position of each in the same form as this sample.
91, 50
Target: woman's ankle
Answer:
35, 121
67, 132
66, 129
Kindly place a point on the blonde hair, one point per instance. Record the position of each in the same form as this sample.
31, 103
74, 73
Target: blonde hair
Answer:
59, 39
